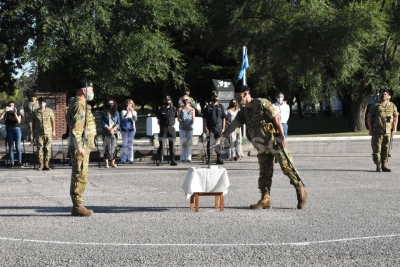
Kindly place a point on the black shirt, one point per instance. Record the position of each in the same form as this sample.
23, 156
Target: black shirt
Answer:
214, 114
10, 119
167, 116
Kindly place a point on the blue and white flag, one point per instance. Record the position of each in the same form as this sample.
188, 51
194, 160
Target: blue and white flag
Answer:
245, 65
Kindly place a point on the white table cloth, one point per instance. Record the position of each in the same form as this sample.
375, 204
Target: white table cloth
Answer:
206, 180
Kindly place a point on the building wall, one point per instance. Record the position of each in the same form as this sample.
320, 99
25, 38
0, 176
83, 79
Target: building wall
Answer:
58, 103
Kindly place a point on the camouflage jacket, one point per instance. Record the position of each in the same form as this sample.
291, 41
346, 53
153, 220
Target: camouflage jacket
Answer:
29, 108
383, 117
258, 119
82, 125
41, 122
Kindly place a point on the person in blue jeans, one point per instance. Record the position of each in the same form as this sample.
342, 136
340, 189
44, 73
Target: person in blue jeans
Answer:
12, 120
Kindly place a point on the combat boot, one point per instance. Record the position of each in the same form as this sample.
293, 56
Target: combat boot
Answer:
40, 166
301, 196
265, 201
80, 210
46, 167
384, 168
378, 167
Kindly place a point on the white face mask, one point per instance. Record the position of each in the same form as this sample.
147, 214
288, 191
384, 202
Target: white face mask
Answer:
89, 97
43, 105
279, 99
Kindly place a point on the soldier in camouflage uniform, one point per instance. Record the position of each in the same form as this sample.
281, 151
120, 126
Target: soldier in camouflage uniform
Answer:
82, 131
261, 121
44, 128
29, 108
382, 123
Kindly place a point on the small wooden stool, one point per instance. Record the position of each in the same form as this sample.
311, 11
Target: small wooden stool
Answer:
219, 200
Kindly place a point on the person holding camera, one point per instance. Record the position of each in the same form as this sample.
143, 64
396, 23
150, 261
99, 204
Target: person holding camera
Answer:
12, 120
44, 129
382, 121
128, 130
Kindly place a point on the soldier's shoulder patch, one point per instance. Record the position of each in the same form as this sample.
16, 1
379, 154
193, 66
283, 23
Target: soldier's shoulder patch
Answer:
81, 117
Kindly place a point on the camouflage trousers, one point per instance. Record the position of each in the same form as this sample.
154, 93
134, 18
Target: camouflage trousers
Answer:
79, 175
380, 144
30, 131
266, 162
43, 143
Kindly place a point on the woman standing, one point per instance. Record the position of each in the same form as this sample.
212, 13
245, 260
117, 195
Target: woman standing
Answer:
111, 124
235, 138
186, 120
12, 119
128, 130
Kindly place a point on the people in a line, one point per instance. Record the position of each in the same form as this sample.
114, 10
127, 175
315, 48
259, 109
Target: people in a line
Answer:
29, 108
382, 121
12, 120
186, 117
235, 138
82, 127
128, 130
262, 124
214, 124
44, 129
283, 111
111, 121
166, 118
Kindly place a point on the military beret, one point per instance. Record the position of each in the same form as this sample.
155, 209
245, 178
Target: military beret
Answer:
84, 83
383, 90
242, 88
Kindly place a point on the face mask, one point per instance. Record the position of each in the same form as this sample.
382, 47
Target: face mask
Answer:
215, 100
33, 99
279, 99
43, 105
167, 104
384, 97
110, 105
239, 99
89, 97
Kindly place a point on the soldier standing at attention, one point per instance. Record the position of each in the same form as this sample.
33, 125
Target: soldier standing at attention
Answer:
382, 121
29, 108
44, 128
214, 122
261, 120
166, 118
82, 131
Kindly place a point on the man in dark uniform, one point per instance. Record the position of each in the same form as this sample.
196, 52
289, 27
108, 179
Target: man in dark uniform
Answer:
166, 119
214, 122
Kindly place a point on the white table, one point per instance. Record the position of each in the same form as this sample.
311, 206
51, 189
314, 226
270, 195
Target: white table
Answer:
212, 181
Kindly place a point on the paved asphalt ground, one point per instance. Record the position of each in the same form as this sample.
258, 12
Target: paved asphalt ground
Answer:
142, 216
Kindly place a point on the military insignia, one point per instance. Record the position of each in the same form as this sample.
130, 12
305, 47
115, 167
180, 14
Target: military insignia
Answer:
81, 117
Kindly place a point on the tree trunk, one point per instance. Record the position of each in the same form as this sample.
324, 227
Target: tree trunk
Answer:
358, 107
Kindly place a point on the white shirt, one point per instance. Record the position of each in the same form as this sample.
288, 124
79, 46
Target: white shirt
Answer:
283, 111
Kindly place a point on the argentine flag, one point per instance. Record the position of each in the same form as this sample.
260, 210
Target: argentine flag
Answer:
245, 65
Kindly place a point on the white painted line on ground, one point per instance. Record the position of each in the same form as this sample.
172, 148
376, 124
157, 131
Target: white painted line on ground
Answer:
200, 244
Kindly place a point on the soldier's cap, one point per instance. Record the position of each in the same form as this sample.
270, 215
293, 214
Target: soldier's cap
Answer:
84, 83
242, 89
383, 90
42, 99
167, 97
214, 93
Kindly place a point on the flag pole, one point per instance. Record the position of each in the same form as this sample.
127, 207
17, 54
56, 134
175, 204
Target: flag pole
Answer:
244, 83
244, 73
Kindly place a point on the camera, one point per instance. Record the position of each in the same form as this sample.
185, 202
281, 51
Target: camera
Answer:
388, 119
